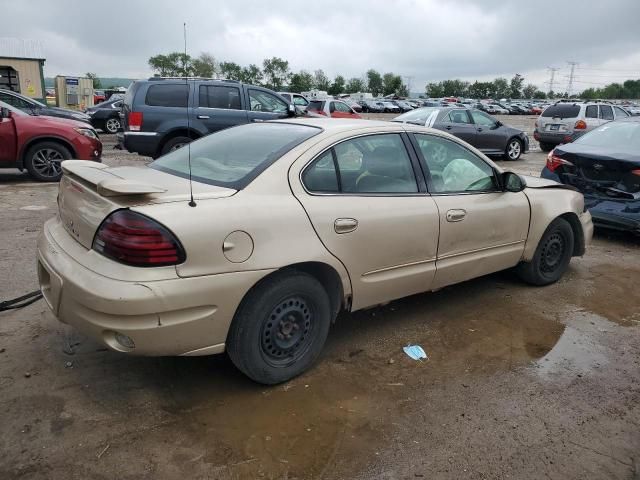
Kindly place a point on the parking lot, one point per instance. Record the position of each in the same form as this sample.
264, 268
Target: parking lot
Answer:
521, 382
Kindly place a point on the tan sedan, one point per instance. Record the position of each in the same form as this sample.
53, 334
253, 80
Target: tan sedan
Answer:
291, 222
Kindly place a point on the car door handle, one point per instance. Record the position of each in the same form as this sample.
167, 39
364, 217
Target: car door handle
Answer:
456, 215
479, 129
448, 127
257, 120
345, 225
202, 117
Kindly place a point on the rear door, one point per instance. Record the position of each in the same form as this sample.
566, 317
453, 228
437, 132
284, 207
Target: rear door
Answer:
368, 203
458, 123
482, 228
263, 105
8, 141
591, 117
218, 107
606, 114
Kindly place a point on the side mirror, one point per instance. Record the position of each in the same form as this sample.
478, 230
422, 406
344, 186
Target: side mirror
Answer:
498, 124
512, 182
5, 112
292, 110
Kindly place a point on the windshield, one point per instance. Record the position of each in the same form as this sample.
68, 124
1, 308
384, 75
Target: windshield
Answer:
614, 134
234, 157
422, 116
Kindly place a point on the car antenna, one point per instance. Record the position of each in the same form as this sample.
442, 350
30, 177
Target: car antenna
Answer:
192, 202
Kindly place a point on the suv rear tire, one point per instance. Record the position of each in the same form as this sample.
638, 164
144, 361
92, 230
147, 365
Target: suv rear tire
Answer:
280, 328
43, 160
175, 143
546, 147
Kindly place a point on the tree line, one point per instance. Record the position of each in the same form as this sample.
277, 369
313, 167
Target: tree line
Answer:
274, 73
630, 90
498, 88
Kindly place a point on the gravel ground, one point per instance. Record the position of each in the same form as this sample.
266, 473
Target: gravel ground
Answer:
521, 382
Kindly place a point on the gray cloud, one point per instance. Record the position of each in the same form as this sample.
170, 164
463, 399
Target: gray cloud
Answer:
424, 40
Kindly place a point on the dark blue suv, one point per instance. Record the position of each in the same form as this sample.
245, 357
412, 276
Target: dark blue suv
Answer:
162, 114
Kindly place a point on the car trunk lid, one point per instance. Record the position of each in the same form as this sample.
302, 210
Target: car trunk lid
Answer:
90, 191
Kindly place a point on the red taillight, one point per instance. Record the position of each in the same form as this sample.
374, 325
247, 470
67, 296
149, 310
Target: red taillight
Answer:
636, 172
134, 239
135, 121
554, 162
580, 125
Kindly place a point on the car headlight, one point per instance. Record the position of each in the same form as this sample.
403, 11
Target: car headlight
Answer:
87, 132
80, 116
90, 112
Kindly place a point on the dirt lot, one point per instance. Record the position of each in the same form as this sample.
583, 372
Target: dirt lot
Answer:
521, 382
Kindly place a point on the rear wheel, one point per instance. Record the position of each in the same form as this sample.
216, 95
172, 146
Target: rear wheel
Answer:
551, 257
175, 143
280, 328
112, 125
546, 147
43, 161
513, 150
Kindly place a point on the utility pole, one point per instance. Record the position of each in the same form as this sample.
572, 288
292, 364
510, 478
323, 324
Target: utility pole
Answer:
571, 77
552, 78
408, 83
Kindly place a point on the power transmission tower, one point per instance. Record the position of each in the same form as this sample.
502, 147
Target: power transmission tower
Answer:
408, 83
571, 77
552, 78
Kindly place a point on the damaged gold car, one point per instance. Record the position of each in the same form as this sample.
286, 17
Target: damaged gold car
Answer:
291, 223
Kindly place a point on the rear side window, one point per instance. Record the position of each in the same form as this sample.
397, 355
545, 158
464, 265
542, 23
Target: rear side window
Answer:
321, 175
215, 96
315, 105
606, 112
169, 95
592, 111
562, 110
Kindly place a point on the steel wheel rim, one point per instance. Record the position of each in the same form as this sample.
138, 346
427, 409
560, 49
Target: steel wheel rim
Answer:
47, 162
514, 149
553, 252
113, 125
287, 332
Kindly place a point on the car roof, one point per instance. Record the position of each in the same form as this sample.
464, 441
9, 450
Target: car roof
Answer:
335, 124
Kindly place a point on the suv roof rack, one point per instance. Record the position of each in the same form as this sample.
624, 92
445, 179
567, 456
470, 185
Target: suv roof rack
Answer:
154, 79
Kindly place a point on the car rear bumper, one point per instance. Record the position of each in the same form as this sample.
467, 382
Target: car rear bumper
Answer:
142, 143
552, 138
175, 316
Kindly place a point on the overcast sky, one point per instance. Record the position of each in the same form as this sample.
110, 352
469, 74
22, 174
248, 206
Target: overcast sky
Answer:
421, 40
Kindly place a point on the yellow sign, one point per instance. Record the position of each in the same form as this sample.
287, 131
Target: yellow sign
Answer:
31, 90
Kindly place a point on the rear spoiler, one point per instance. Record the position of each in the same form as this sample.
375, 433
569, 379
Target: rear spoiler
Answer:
106, 183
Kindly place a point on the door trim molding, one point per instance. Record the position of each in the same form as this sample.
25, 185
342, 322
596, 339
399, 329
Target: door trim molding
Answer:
467, 252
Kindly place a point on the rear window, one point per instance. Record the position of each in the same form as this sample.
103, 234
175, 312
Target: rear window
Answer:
233, 157
562, 111
169, 95
315, 105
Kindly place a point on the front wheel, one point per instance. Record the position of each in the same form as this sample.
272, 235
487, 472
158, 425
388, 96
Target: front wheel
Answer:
513, 150
280, 328
552, 256
43, 161
175, 143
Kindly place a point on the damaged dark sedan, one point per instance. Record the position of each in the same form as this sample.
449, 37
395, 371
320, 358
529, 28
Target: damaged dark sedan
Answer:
604, 165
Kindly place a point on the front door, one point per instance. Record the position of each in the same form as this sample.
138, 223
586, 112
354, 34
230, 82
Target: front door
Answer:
482, 228
490, 136
219, 107
370, 209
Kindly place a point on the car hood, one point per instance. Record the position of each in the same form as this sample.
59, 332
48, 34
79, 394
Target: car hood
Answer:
59, 112
44, 120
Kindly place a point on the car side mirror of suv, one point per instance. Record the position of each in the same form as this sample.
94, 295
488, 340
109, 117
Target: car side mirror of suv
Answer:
5, 112
292, 110
512, 182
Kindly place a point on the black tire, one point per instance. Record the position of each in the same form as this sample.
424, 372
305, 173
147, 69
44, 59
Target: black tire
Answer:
175, 143
280, 328
546, 147
111, 125
551, 257
513, 150
43, 160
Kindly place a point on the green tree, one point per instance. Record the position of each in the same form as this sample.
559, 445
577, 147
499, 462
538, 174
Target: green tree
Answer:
276, 72
355, 85
515, 86
391, 83
204, 66
403, 91
321, 81
501, 88
301, 82
173, 64
455, 88
96, 81
337, 87
230, 71
434, 90
529, 91
539, 94
251, 75
374, 82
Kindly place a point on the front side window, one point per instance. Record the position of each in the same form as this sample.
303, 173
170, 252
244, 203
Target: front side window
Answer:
169, 95
482, 119
16, 102
606, 112
620, 113
367, 165
265, 102
453, 168
459, 116
341, 107
300, 101
234, 157
215, 96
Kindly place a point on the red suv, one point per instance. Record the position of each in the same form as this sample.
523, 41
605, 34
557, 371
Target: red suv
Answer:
40, 144
331, 108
